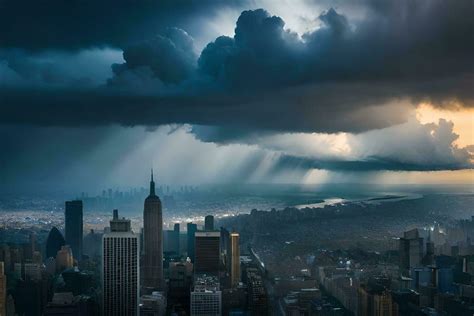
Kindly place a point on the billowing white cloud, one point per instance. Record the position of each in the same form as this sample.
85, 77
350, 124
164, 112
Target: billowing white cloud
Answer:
411, 145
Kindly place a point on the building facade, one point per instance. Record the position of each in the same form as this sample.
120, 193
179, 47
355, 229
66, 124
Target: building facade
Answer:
191, 232
206, 297
235, 259
73, 231
120, 269
207, 256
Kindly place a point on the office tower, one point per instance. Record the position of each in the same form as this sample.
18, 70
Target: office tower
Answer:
120, 275
192, 228
171, 240
152, 268
209, 223
54, 242
207, 256
176, 238
64, 259
3, 289
206, 297
411, 250
73, 231
235, 259
153, 305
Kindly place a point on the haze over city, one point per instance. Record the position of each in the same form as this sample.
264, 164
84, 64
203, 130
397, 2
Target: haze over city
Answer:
304, 157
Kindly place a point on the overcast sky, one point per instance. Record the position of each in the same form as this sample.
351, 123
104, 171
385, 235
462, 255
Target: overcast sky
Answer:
94, 93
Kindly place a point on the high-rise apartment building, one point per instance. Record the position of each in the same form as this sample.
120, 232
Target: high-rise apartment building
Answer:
120, 269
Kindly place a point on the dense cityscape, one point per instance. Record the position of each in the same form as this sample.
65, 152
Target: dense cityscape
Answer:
390, 255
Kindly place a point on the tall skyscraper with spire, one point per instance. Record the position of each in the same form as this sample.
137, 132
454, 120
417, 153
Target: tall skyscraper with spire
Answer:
152, 266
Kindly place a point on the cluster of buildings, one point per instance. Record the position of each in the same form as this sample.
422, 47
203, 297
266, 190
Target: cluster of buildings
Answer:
431, 273
122, 272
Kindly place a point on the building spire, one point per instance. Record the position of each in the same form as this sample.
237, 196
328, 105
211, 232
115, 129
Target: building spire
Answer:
152, 184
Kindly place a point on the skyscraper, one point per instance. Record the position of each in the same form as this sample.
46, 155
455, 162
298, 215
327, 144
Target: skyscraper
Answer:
171, 240
176, 238
54, 242
192, 228
207, 256
73, 231
152, 268
209, 223
235, 259
120, 269
411, 250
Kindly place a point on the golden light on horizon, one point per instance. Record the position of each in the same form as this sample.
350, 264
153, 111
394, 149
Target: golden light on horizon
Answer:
463, 119
448, 177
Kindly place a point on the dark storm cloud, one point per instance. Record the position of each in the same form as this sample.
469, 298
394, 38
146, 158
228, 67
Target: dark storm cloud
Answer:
407, 42
83, 107
77, 24
339, 77
373, 164
149, 65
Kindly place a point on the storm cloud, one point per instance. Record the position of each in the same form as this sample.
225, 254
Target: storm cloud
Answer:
414, 50
361, 76
75, 25
409, 146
